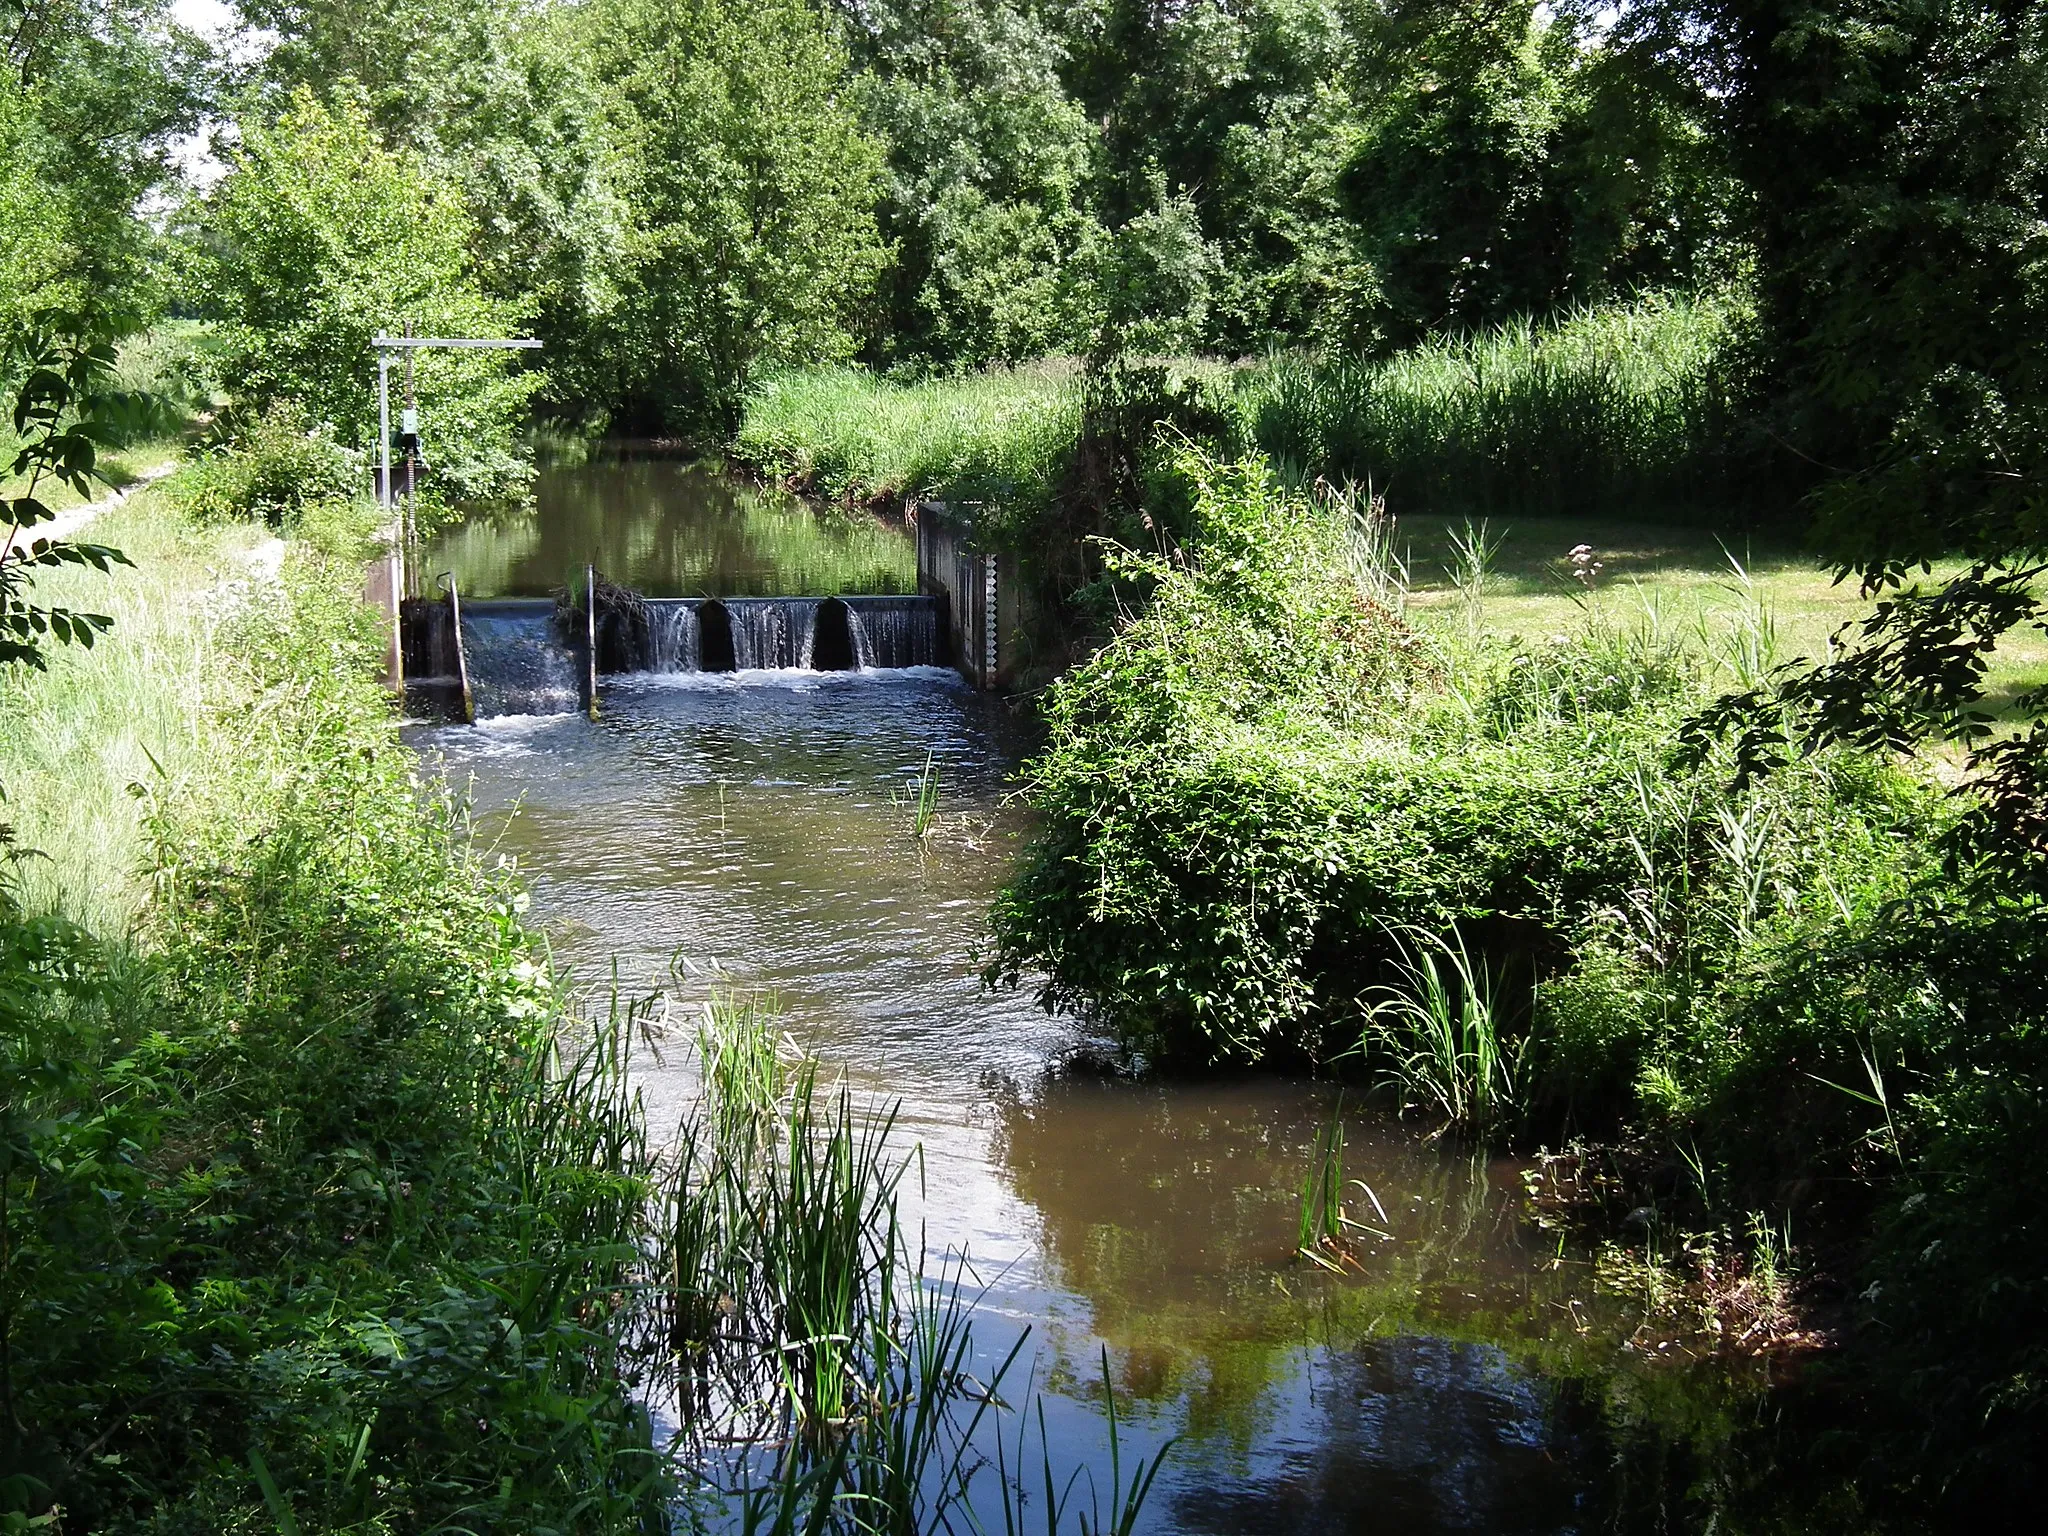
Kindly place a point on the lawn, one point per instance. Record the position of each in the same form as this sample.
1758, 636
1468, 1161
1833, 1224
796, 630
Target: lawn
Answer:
1684, 579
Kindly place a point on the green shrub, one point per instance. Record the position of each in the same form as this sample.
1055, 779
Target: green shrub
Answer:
1267, 773
272, 469
310, 1218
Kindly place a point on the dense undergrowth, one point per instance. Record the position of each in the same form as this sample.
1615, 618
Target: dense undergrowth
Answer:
1285, 821
1631, 409
1635, 407
306, 1217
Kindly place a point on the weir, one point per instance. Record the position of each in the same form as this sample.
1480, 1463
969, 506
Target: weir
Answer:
526, 656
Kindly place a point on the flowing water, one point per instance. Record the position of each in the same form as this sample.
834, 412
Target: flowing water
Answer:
751, 829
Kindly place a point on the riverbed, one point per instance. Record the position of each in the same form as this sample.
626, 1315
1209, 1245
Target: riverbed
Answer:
1469, 1370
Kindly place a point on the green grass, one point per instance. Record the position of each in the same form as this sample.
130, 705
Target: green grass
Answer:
1606, 409
131, 714
1689, 582
840, 432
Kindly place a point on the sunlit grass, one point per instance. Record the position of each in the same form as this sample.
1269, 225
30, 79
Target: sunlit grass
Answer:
1691, 581
844, 432
78, 739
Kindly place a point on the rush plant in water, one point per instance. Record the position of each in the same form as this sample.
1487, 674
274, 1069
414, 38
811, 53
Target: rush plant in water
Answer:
1436, 1032
921, 795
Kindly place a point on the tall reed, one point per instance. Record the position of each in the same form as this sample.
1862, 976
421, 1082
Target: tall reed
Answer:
823, 1380
1611, 409
1435, 1035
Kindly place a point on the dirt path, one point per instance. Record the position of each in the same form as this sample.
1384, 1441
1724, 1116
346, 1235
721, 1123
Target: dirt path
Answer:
71, 519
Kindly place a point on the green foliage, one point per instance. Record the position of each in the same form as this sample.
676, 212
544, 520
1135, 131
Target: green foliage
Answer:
276, 468
315, 1204
1438, 1032
985, 197
751, 189
1268, 769
91, 94
1511, 165
322, 238
61, 415
1620, 408
998, 435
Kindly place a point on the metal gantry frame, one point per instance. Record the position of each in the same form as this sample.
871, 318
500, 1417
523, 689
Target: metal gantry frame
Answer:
386, 347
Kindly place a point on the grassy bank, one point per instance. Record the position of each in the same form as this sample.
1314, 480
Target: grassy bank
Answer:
842, 433
307, 1224
1630, 411
1626, 412
1291, 815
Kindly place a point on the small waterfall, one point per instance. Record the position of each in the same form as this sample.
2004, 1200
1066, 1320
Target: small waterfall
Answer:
741, 634
675, 638
772, 632
519, 663
893, 631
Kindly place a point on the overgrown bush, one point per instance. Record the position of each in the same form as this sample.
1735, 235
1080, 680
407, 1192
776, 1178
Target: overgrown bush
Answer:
271, 468
1262, 818
305, 1222
1254, 783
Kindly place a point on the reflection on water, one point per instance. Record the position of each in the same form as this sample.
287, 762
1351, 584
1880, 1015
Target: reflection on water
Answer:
667, 528
1470, 1375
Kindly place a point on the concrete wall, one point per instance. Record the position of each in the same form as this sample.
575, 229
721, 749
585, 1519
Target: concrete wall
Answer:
978, 613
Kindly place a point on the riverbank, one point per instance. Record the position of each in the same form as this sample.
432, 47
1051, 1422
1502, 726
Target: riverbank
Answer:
1291, 815
305, 1224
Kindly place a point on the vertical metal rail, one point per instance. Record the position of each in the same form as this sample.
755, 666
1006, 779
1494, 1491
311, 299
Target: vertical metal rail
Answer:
461, 652
590, 635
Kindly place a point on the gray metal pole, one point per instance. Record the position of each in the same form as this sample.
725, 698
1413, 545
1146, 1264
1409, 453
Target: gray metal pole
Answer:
384, 430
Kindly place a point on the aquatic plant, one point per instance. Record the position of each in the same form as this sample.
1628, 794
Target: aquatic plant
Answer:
921, 795
1435, 1035
824, 1381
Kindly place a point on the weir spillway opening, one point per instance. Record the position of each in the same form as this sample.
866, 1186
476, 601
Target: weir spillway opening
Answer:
533, 656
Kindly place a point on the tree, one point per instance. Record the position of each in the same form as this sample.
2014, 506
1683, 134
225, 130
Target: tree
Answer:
61, 413
985, 200
92, 92
751, 186
499, 102
320, 238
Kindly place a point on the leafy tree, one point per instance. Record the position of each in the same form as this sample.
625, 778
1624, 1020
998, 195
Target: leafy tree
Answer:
61, 413
500, 102
1513, 165
751, 188
985, 202
92, 92
322, 237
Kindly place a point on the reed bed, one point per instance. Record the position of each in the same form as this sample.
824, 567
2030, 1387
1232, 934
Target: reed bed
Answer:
1002, 435
822, 1379
1633, 407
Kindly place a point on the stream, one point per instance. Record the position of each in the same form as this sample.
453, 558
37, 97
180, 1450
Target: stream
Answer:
749, 829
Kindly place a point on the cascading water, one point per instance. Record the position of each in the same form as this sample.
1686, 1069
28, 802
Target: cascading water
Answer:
675, 637
772, 632
893, 631
519, 663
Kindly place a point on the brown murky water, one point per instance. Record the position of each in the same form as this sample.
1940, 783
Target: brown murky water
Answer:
749, 829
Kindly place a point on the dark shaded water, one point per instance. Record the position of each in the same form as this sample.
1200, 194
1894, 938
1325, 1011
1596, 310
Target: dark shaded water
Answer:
750, 829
